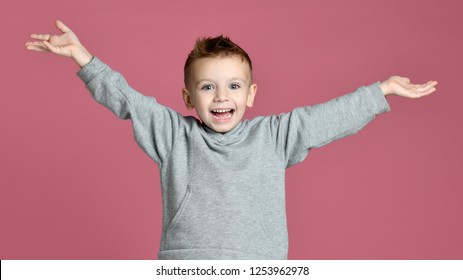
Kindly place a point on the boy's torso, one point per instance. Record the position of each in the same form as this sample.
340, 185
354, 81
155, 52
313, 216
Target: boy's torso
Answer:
224, 194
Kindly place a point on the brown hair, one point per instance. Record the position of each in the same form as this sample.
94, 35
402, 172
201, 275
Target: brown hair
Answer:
214, 47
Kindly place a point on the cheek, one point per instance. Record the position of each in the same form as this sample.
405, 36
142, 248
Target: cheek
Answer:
243, 100
201, 104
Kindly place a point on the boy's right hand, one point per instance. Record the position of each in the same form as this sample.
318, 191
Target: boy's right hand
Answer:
66, 44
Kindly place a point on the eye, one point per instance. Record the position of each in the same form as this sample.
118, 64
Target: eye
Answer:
207, 87
234, 86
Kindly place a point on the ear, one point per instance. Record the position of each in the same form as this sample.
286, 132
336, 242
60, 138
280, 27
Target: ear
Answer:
251, 94
187, 99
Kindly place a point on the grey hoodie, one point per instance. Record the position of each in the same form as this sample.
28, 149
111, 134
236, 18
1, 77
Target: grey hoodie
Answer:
223, 195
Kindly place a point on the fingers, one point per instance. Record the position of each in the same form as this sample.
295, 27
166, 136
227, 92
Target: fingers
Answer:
43, 46
36, 46
424, 89
424, 93
433, 83
426, 86
46, 37
62, 27
42, 37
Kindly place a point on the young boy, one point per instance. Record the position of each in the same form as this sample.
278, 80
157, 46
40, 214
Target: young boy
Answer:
222, 178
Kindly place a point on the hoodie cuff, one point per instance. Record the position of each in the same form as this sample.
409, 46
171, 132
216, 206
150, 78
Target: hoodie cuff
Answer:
91, 69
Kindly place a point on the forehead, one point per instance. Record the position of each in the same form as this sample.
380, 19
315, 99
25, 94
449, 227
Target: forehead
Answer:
220, 67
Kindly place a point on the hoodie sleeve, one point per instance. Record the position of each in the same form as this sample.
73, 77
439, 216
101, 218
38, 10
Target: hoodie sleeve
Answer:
155, 126
295, 133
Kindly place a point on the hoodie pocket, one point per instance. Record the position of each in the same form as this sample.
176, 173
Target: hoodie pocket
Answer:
180, 209
220, 217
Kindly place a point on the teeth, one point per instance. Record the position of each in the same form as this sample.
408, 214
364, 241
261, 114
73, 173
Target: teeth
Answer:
222, 110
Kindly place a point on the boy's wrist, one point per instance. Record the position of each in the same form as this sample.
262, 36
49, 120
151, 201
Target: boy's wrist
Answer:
81, 56
384, 87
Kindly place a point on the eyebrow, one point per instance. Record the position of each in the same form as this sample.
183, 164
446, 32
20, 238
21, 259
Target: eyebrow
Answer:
200, 81
237, 78
231, 79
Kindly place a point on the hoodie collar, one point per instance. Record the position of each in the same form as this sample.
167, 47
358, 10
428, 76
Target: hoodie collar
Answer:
228, 137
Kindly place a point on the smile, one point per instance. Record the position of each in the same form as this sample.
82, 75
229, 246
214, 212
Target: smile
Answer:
222, 114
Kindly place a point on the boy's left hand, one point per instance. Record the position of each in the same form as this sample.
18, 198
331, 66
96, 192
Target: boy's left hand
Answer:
401, 86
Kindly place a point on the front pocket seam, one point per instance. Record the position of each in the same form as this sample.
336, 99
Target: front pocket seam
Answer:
181, 209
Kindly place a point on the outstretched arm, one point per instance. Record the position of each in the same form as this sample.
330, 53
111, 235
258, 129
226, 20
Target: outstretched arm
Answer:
401, 86
66, 44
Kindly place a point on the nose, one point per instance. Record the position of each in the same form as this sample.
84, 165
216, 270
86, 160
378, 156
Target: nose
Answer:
220, 95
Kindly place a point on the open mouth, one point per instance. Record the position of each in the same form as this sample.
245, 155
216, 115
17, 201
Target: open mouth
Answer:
222, 114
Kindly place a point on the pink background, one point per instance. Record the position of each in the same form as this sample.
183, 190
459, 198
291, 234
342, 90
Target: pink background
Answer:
74, 184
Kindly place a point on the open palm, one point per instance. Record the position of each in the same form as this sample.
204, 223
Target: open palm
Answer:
65, 44
401, 86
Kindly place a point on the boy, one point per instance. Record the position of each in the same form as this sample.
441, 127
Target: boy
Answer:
223, 178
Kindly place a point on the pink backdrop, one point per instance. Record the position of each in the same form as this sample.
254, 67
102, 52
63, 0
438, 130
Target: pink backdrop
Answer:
74, 184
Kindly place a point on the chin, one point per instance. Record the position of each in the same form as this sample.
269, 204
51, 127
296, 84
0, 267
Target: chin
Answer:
222, 128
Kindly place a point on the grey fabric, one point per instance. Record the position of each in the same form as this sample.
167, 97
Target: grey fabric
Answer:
224, 194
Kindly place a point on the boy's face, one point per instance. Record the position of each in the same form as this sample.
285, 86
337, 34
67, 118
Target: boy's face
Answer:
220, 89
